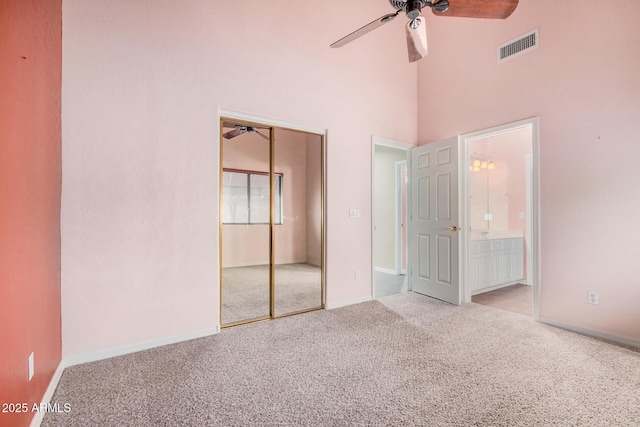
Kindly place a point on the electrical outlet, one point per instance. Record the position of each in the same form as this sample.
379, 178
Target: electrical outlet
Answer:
31, 366
356, 274
354, 213
592, 298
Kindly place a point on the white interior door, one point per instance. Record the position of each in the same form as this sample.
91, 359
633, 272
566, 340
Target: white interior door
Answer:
434, 254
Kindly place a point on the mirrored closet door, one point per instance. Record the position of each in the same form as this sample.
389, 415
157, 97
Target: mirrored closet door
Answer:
245, 217
271, 222
298, 236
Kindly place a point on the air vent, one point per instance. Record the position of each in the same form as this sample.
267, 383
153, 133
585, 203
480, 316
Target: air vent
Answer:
518, 46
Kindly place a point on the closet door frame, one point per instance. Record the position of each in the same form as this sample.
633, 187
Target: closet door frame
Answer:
258, 122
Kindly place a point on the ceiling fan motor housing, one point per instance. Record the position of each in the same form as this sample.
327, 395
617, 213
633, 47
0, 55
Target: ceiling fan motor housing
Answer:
411, 7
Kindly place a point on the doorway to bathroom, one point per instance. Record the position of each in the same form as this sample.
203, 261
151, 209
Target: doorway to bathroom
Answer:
500, 193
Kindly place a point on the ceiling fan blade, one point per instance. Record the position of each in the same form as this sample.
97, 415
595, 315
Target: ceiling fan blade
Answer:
233, 133
416, 30
261, 134
489, 9
364, 30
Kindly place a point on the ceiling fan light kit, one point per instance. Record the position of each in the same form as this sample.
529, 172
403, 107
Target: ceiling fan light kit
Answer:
416, 39
416, 27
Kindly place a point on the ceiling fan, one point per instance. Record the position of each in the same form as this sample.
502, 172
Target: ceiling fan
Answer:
416, 29
240, 129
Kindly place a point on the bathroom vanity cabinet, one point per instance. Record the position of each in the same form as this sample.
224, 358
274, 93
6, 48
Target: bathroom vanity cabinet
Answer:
495, 263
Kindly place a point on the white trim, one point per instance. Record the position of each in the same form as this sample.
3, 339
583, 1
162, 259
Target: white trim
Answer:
385, 142
533, 124
590, 332
536, 218
529, 222
48, 394
387, 270
495, 287
140, 346
233, 114
502, 129
401, 244
339, 304
463, 221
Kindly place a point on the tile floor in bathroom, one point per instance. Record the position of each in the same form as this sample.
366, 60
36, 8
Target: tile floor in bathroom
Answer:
515, 298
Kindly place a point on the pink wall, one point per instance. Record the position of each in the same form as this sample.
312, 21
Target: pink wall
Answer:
143, 82
584, 84
30, 173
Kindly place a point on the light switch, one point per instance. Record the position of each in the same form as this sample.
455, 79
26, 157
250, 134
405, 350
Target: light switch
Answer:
488, 217
521, 216
354, 213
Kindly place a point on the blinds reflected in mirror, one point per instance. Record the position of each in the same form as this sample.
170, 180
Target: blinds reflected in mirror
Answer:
245, 197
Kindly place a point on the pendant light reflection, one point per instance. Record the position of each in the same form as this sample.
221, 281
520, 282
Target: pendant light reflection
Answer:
480, 162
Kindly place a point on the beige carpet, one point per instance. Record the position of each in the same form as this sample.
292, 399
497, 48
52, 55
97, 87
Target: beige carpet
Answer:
404, 361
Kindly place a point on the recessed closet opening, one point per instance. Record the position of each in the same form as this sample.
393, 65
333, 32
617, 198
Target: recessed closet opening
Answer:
271, 221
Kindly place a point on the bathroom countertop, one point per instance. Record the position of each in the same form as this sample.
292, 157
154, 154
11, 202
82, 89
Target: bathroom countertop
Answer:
495, 234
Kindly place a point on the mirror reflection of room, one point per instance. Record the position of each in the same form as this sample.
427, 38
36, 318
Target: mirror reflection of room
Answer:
298, 240
251, 288
245, 215
498, 210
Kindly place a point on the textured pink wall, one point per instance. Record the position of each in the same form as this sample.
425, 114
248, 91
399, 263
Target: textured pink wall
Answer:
143, 82
30, 173
584, 84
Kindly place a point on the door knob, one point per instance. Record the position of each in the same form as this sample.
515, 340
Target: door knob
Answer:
453, 228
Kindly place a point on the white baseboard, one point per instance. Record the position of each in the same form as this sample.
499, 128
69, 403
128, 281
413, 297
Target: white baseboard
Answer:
496, 287
590, 332
386, 270
145, 345
48, 394
331, 306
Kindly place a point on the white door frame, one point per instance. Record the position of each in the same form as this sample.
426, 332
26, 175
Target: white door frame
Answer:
401, 244
529, 222
534, 269
384, 142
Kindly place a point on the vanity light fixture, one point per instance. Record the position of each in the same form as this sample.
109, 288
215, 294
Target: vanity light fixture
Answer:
481, 161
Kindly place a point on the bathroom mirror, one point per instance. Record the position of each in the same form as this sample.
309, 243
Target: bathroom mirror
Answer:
497, 187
